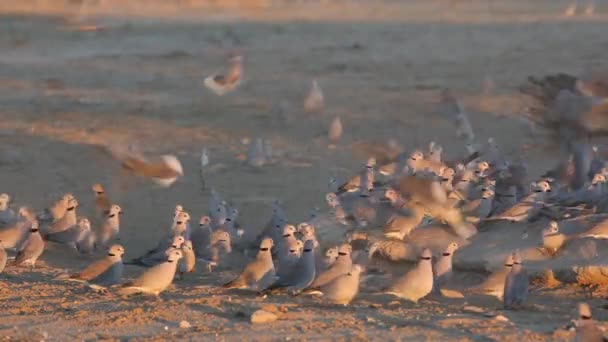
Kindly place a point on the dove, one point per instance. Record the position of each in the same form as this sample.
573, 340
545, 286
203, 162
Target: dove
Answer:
335, 131
187, 263
110, 226
337, 211
102, 202
201, 236
417, 163
516, 285
289, 257
586, 327
230, 224
224, 84
598, 231
342, 289
87, 242
32, 248
72, 235
399, 226
417, 283
220, 244
302, 274
494, 284
479, 208
56, 211
435, 151
287, 240
156, 256
155, 279
315, 100
528, 207
163, 172
442, 270
342, 265
256, 156
364, 179
66, 222
551, 239
181, 224
7, 215
259, 273
331, 255
14, 235
3, 257
104, 272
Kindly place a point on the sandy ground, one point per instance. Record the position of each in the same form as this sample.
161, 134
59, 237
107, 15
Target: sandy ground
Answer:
137, 78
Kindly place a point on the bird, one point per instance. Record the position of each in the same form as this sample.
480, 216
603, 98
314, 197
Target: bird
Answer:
418, 282
3, 257
220, 244
88, 240
528, 207
516, 285
14, 235
56, 211
155, 279
72, 235
32, 248
7, 215
188, 261
342, 289
163, 171
331, 254
315, 101
479, 208
400, 226
494, 284
335, 131
598, 231
102, 201
157, 255
68, 220
110, 226
342, 265
224, 84
201, 236
586, 327
104, 272
301, 275
442, 270
259, 273
551, 239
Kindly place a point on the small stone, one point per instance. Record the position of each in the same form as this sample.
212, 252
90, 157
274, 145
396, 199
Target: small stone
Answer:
185, 325
262, 316
501, 318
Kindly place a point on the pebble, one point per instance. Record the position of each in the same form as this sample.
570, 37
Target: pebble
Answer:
185, 325
261, 316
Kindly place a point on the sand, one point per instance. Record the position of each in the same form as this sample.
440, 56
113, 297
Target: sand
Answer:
71, 80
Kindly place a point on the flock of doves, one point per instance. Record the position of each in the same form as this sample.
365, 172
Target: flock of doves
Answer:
383, 204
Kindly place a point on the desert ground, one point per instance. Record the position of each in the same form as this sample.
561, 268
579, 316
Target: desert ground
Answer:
74, 77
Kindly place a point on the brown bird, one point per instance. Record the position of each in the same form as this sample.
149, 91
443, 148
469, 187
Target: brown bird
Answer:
102, 202
221, 84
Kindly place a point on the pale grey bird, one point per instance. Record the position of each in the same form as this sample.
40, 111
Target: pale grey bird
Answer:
220, 245
315, 100
494, 284
364, 178
224, 84
156, 279
337, 211
256, 157
335, 131
417, 163
87, 242
217, 209
479, 208
342, 265
302, 274
102, 201
287, 241
3, 257
442, 270
259, 273
516, 285
551, 239
14, 235
331, 255
417, 283
230, 224
67, 221
104, 272
400, 226
342, 289
528, 207
435, 151
110, 227
155, 257
56, 211
187, 263
587, 329
32, 248
289, 257
201, 236
7, 215
72, 235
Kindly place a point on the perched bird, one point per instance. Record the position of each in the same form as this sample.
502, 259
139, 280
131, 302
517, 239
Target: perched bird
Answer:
331, 255
417, 283
335, 131
88, 240
442, 270
315, 100
516, 285
7, 215
399, 226
302, 274
164, 171
104, 272
259, 273
494, 284
220, 244
187, 263
56, 211
155, 279
32, 248
110, 226
479, 208
201, 236
342, 289
14, 235
551, 239
223, 84
67, 221
72, 235
587, 329
3, 257
528, 207
157, 256
102, 202
342, 265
